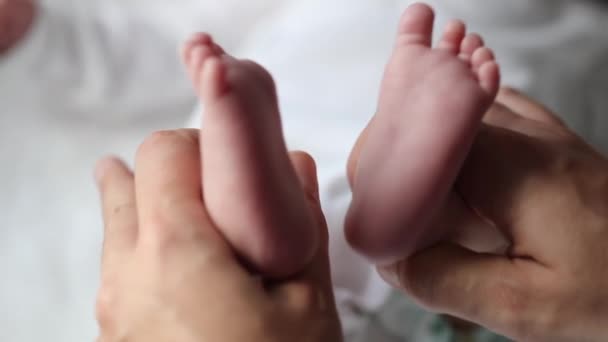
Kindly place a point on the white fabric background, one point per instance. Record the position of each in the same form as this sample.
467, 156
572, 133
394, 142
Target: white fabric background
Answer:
93, 78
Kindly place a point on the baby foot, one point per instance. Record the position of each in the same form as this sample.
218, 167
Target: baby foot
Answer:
431, 103
249, 185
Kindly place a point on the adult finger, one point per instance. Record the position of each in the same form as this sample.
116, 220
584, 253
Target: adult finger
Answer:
168, 189
528, 108
117, 189
306, 170
490, 290
506, 174
353, 160
466, 227
311, 289
501, 116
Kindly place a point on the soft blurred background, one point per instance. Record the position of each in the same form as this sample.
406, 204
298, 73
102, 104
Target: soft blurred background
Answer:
97, 76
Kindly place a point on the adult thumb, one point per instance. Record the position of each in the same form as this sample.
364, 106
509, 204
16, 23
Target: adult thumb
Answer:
485, 289
316, 275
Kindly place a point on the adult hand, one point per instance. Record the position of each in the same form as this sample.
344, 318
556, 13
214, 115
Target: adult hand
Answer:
167, 273
547, 191
16, 17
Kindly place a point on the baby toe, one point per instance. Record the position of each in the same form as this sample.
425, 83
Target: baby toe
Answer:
452, 37
489, 77
469, 45
481, 56
416, 26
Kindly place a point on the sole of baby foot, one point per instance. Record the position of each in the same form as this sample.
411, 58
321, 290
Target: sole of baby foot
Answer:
431, 104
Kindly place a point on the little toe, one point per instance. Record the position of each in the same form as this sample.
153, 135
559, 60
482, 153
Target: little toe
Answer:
452, 36
489, 77
481, 56
416, 25
469, 45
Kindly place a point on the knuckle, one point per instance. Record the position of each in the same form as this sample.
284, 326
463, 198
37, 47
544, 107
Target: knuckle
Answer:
163, 138
157, 138
173, 211
549, 314
175, 221
162, 232
513, 309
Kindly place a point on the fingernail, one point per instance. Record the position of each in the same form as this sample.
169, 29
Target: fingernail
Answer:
509, 90
306, 171
102, 167
100, 170
389, 274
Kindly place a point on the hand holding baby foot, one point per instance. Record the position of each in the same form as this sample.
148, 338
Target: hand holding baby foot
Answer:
431, 104
16, 17
250, 187
169, 275
545, 189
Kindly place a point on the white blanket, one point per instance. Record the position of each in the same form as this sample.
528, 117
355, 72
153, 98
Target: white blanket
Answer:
89, 82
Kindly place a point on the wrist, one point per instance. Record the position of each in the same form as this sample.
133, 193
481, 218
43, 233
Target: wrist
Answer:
16, 19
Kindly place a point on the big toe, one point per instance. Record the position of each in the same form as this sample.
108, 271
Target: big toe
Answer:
416, 25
